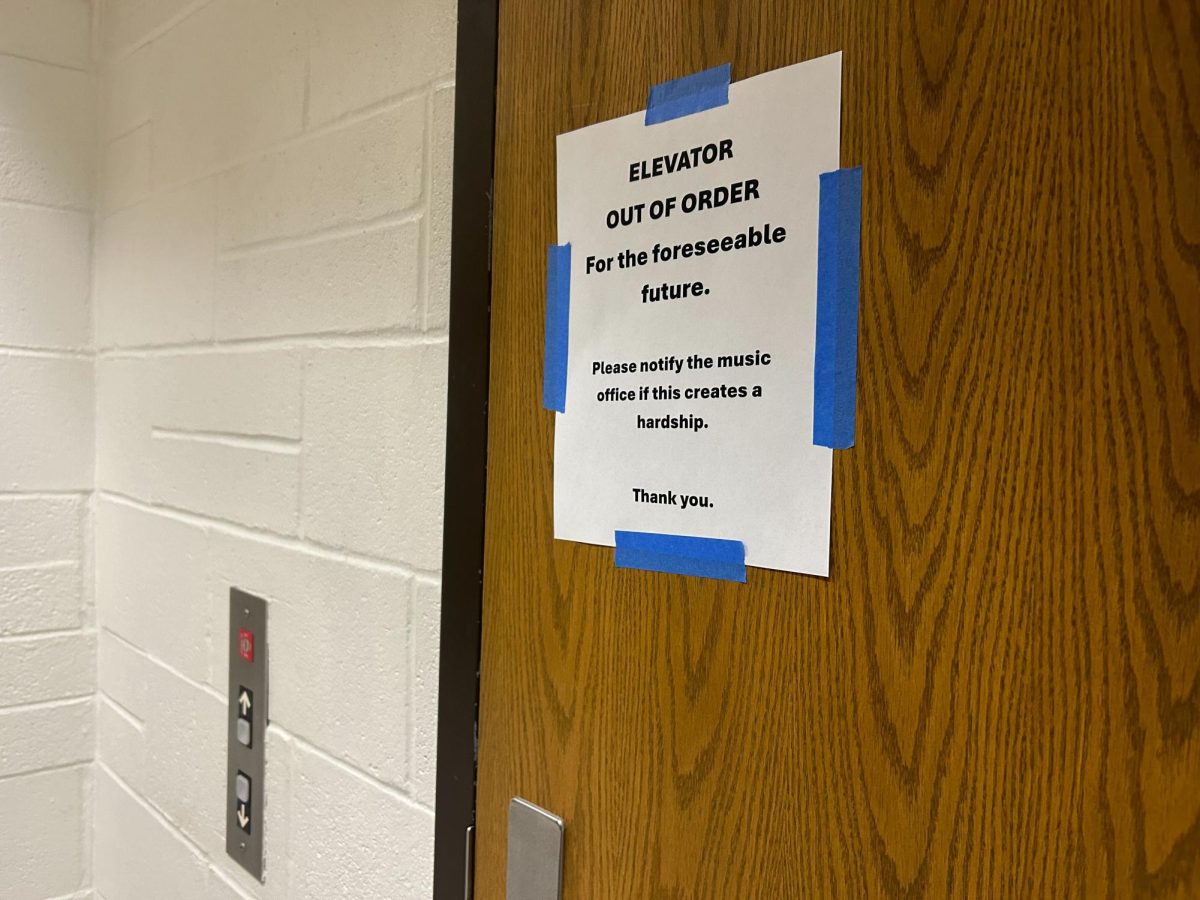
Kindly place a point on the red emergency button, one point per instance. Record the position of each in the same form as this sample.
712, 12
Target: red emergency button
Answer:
246, 644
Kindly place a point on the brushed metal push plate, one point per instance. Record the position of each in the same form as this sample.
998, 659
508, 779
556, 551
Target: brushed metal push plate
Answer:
247, 726
535, 852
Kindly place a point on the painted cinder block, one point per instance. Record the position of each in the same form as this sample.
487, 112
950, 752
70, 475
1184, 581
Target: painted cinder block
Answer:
441, 154
47, 410
122, 426
40, 530
135, 854
426, 630
227, 80
371, 843
210, 434
185, 756
154, 270
42, 823
41, 577
126, 88
365, 51
46, 128
38, 170
252, 486
349, 175
254, 394
365, 281
52, 31
39, 668
125, 24
41, 598
310, 230
374, 451
48, 100
152, 591
46, 406
121, 742
125, 170
45, 736
45, 277
173, 729
122, 673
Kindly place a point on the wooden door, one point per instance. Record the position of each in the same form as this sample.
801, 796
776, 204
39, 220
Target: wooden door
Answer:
997, 690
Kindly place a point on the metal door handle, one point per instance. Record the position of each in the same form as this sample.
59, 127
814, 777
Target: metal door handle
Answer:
535, 852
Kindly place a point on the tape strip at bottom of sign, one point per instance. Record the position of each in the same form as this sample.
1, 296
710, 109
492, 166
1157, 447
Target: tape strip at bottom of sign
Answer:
690, 94
558, 319
681, 555
835, 378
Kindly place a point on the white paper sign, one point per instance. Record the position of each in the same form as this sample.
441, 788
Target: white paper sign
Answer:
689, 403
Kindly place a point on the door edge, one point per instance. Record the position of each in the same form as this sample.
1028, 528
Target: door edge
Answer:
466, 445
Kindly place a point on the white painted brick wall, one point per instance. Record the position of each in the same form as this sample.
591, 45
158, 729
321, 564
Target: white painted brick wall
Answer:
41, 563
127, 24
161, 610
53, 31
271, 285
373, 455
426, 627
213, 433
126, 87
46, 408
44, 305
226, 80
344, 176
264, 407
283, 290
145, 857
45, 736
41, 598
365, 840
369, 51
125, 170
37, 530
39, 816
154, 269
47, 146
44, 667
47, 642
441, 147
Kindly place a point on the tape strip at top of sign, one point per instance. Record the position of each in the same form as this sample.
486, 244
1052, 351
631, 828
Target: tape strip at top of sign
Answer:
689, 94
835, 353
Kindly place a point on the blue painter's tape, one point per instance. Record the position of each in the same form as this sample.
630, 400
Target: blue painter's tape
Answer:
558, 317
836, 376
687, 95
682, 555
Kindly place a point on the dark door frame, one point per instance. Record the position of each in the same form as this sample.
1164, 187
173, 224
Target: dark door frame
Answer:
466, 444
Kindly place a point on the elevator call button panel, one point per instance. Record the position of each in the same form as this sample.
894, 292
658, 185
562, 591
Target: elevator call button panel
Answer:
247, 723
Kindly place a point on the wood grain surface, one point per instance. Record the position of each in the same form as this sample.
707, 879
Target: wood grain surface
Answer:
997, 691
